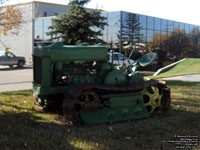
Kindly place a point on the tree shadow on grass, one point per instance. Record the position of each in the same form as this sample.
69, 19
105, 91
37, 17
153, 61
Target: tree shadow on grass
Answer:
27, 131
182, 83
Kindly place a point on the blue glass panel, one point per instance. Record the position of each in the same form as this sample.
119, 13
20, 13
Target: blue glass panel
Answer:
170, 26
143, 35
192, 27
164, 25
112, 31
105, 30
47, 23
157, 24
130, 27
150, 23
38, 28
142, 20
187, 28
150, 34
182, 26
176, 25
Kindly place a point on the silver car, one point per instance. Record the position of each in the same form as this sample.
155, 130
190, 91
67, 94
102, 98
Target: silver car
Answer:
119, 59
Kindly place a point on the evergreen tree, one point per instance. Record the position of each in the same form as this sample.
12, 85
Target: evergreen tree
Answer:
78, 25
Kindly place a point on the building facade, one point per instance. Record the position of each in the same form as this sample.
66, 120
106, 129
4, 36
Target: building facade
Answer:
23, 43
124, 28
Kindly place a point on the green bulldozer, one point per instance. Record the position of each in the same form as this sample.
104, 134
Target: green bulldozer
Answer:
89, 89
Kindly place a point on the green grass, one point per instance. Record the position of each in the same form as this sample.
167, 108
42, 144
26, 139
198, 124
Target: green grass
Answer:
188, 66
24, 125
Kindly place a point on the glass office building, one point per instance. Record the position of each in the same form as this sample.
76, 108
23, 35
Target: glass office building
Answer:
126, 28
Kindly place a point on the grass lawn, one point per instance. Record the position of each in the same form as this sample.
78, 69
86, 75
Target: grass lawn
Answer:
189, 66
24, 125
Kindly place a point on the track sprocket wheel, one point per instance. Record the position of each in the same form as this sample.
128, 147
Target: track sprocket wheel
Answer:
152, 97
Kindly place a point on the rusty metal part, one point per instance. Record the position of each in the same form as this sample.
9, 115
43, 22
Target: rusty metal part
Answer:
72, 98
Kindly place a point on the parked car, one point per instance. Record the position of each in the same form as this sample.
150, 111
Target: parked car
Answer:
119, 59
8, 58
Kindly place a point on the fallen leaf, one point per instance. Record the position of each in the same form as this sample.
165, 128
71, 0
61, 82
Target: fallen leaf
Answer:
187, 108
128, 138
110, 129
33, 108
9, 126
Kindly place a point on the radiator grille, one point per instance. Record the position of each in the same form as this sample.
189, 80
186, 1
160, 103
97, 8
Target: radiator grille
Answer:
37, 70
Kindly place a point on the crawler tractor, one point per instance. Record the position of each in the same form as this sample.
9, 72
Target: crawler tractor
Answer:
91, 90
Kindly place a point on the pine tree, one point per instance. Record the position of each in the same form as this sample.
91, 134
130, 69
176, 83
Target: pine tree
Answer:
78, 25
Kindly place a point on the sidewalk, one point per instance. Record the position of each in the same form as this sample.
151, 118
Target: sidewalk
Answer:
192, 78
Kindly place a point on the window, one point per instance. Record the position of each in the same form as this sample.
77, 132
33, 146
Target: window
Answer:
46, 23
187, 28
150, 34
157, 24
142, 20
192, 27
176, 25
113, 29
170, 26
9, 54
164, 25
182, 26
143, 35
115, 57
38, 28
121, 57
2, 54
150, 23
45, 14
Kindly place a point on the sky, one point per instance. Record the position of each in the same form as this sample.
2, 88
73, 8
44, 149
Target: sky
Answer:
187, 11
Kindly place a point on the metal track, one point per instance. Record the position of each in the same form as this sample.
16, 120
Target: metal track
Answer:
71, 98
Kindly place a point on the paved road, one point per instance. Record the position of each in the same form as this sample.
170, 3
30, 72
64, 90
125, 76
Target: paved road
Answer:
194, 78
13, 79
